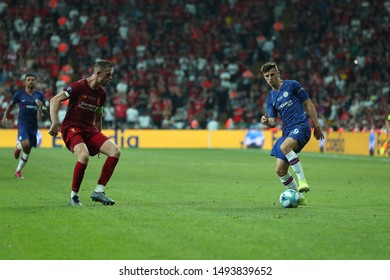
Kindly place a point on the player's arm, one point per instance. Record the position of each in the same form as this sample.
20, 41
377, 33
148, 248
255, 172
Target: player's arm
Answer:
270, 122
41, 107
39, 104
55, 104
6, 113
312, 113
99, 118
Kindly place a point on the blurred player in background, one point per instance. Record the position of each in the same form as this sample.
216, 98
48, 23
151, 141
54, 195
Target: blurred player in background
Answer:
290, 100
30, 101
81, 129
385, 147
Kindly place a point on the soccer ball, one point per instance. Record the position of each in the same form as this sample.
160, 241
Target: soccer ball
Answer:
289, 199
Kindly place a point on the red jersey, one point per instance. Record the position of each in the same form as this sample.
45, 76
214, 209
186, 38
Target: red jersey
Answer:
83, 102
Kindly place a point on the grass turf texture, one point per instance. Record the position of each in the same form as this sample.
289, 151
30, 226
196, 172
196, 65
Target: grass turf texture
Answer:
194, 204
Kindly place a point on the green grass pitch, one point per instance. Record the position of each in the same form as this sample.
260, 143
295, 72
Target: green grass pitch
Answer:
195, 205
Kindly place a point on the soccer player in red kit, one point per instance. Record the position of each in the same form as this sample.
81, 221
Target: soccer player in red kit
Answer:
81, 129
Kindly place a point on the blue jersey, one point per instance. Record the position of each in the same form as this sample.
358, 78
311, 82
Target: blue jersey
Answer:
28, 108
288, 101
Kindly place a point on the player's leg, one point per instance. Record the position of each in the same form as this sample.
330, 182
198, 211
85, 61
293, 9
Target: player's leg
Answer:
25, 144
111, 150
286, 178
287, 147
80, 150
282, 165
24, 141
17, 150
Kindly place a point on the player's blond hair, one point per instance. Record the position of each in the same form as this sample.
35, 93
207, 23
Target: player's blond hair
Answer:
268, 66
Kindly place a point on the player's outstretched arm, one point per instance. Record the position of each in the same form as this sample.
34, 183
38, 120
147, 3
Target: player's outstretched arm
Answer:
55, 104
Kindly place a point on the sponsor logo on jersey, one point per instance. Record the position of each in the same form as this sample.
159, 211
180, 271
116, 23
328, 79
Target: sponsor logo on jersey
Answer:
288, 103
87, 106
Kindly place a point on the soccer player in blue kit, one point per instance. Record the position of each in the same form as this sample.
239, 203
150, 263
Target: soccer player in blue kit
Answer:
291, 101
30, 101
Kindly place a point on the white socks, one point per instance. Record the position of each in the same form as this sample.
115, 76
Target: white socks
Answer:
73, 193
289, 181
19, 146
22, 161
295, 164
99, 188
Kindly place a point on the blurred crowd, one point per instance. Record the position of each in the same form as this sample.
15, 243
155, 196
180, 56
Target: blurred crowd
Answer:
194, 64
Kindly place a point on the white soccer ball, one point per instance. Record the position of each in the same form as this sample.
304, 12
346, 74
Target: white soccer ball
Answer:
289, 199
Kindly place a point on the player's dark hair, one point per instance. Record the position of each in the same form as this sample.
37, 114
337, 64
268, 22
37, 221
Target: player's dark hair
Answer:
268, 66
29, 75
101, 64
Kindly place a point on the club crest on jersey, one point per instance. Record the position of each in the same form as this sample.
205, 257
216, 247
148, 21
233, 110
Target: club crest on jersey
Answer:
285, 94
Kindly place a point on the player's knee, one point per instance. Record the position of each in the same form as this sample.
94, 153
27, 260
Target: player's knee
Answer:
288, 145
83, 158
285, 148
26, 147
280, 171
116, 152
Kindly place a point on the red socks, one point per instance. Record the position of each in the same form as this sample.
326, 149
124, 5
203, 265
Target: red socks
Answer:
107, 170
78, 175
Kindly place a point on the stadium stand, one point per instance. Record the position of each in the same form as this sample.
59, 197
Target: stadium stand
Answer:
184, 63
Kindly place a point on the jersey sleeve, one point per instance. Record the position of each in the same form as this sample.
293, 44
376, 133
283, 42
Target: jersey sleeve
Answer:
300, 91
15, 97
42, 98
70, 89
271, 110
99, 110
100, 105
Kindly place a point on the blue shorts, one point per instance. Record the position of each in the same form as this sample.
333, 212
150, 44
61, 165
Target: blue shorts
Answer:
27, 134
301, 134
